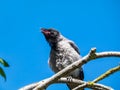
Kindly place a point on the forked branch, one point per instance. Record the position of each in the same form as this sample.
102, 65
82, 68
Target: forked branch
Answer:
92, 55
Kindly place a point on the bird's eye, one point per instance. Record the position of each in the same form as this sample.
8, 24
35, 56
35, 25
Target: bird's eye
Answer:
54, 33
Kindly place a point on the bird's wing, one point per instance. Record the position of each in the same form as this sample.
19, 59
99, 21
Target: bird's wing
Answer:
74, 46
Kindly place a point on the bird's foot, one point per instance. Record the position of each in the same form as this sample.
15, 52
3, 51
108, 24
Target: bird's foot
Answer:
69, 78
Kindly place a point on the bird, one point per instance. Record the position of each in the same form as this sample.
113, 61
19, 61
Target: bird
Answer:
63, 53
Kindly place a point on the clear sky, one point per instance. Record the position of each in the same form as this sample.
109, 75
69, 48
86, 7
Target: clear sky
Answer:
89, 23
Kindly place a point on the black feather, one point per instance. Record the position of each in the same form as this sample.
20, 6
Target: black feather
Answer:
75, 47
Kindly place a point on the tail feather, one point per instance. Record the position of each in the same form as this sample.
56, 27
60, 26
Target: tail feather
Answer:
81, 77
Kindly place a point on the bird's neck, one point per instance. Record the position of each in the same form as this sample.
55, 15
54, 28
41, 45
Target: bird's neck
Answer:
54, 45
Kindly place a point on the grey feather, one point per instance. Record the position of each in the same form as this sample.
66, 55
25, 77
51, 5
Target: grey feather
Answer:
75, 47
63, 53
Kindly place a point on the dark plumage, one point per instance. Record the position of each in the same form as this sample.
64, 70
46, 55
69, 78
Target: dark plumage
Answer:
63, 53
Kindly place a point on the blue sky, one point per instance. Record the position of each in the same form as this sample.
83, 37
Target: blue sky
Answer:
89, 23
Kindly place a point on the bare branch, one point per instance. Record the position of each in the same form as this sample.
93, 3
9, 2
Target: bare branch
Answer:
91, 56
92, 85
83, 84
30, 87
80, 86
106, 74
34, 85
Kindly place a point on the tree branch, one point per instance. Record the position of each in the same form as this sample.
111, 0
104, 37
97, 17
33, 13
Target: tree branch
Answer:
91, 56
106, 74
83, 84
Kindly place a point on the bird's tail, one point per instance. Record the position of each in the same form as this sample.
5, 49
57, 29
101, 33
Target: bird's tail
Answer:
81, 77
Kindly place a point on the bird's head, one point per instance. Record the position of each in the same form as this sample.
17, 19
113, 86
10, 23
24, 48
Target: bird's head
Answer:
52, 36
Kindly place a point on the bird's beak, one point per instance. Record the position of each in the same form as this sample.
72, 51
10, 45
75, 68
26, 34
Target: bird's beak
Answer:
45, 31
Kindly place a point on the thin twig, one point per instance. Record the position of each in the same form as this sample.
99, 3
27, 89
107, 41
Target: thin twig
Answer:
106, 74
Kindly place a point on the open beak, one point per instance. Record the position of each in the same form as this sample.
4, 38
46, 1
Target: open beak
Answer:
45, 31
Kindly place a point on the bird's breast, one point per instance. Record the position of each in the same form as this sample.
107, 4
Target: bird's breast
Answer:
63, 56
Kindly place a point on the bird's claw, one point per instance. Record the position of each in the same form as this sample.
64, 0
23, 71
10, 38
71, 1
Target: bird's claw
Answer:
69, 78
